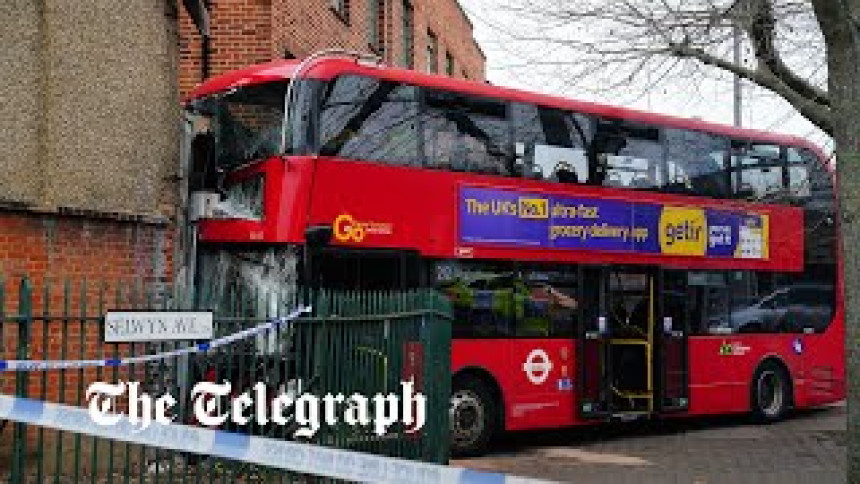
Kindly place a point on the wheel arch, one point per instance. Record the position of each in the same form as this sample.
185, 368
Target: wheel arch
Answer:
492, 383
776, 360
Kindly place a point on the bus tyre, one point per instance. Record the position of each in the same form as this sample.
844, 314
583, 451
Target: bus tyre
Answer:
472, 416
770, 392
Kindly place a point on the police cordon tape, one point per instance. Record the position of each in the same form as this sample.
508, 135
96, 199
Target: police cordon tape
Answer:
41, 365
281, 454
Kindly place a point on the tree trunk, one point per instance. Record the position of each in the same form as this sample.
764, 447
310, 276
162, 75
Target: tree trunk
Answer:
842, 39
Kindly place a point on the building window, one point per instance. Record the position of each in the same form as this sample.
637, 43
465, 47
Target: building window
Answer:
376, 24
432, 50
449, 64
408, 34
341, 9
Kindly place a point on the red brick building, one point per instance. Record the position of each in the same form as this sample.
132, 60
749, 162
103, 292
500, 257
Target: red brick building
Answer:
428, 35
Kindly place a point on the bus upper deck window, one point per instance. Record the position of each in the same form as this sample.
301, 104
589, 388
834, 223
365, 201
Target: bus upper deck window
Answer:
366, 119
799, 183
696, 163
550, 144
758, 171
466, 133
628, 155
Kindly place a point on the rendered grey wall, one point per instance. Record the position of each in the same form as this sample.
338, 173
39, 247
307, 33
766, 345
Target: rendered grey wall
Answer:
19, 101
89, 104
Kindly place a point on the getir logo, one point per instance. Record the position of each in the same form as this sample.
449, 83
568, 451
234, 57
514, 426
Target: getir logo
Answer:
683, 231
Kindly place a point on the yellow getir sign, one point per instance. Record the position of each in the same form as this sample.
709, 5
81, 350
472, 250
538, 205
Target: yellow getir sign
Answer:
683, 231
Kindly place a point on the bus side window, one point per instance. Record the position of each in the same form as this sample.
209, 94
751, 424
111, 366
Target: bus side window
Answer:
708, 302
482, 298
466, 133
627, 155
799, 183
550, 144
757, 171
696, 163
369, 120
547, 296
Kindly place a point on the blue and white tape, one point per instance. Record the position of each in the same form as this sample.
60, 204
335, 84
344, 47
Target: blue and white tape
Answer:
280, 454
41, 365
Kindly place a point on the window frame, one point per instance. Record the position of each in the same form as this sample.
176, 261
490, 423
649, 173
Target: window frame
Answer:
376, 23
408, 26
432, 52
449, 63
340, 8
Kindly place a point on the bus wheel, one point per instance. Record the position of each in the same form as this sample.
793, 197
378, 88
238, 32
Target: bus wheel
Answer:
472, 416
770, 392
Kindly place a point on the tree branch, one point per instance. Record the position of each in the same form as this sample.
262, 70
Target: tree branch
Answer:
759, 22
817, 113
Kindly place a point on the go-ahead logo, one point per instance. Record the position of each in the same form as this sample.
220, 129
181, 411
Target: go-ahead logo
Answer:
537, 366
348, 229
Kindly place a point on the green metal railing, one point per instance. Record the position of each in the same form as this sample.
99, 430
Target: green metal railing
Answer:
355, 342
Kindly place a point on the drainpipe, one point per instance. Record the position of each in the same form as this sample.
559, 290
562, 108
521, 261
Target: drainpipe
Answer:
205, 47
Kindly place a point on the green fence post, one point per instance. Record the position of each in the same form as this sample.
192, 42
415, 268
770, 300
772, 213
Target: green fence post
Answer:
436, 339
24, 319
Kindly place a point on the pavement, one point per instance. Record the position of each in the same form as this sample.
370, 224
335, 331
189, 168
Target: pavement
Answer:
808, 447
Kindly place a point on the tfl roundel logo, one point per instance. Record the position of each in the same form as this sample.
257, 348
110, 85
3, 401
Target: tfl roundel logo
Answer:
537, 366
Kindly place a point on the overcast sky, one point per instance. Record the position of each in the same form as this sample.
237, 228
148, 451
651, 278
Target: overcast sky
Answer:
510, 63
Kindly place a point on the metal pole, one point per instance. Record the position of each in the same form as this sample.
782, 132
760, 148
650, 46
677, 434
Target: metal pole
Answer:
738, 95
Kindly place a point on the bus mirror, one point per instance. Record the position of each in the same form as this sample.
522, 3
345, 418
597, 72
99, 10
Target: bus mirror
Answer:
318, 235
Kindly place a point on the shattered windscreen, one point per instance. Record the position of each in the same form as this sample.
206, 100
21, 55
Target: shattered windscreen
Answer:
248, 123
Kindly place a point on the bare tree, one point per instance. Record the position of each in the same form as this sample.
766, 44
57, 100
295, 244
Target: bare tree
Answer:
805, 51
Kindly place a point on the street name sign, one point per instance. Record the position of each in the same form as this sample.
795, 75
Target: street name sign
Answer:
142, 326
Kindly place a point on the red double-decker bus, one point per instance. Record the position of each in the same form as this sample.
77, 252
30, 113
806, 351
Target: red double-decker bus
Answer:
601, 262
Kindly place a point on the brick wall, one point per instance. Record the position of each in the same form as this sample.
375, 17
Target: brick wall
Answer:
80, 267
246, 32
454, 32
76, 268
241, 35
58, 246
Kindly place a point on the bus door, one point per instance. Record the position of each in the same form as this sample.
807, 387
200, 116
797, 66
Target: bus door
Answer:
671, 357
616, 342
592, 360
